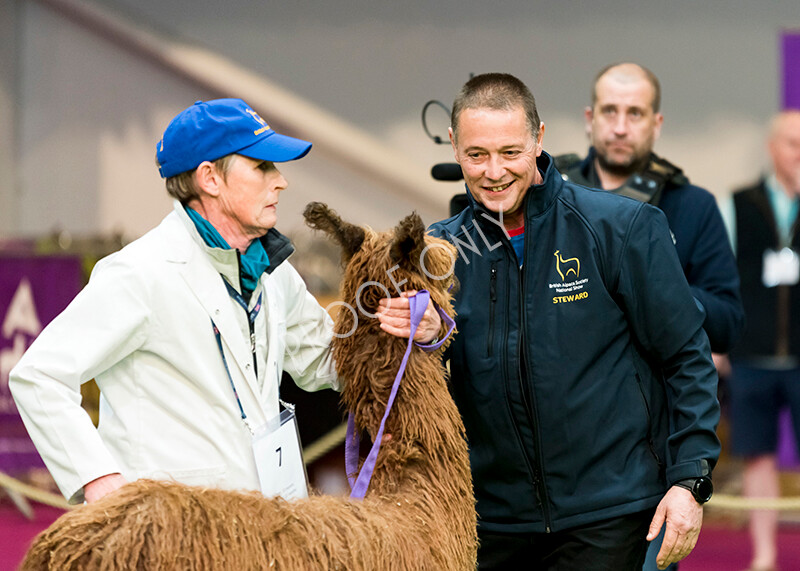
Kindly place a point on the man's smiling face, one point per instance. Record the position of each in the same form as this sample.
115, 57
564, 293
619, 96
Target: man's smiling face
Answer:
497, 153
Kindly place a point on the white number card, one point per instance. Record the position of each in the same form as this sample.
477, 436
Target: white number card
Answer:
279, 460
780, 268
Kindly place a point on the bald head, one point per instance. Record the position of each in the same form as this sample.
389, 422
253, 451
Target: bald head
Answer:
623, 121
627, 73
784, 123
784, 149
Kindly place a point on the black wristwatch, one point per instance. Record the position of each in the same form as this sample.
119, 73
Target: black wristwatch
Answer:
701, 488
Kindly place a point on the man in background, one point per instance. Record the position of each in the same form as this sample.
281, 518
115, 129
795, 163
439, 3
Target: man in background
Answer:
765, 375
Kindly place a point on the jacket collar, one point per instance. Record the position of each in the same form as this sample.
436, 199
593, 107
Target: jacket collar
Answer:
201, 267
588, 174
538, 197
277, 246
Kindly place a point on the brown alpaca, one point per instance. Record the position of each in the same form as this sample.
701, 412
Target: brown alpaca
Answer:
419, 511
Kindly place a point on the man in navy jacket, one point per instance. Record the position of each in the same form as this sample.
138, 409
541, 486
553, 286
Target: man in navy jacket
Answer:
581, 367
623, 123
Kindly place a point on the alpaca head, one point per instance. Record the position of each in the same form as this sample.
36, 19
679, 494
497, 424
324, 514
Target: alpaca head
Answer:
379, 265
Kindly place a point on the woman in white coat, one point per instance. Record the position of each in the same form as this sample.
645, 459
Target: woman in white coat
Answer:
188, 329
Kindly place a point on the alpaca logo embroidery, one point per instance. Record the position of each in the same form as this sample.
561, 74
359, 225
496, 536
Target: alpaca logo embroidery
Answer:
565, 267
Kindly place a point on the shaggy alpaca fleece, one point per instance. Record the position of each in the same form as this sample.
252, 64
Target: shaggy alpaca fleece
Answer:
419, 511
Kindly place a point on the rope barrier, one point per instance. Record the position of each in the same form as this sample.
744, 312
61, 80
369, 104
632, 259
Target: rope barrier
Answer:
311, 454
323, 445
725, 501
34, 493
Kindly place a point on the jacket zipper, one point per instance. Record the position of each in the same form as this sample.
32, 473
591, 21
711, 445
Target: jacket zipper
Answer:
530, 406
493, 302
535, 470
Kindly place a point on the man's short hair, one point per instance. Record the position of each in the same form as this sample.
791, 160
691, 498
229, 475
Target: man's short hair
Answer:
499, 91
183, 187
649, 76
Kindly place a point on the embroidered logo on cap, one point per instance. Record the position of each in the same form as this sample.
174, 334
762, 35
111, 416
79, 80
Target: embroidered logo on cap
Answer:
257, 117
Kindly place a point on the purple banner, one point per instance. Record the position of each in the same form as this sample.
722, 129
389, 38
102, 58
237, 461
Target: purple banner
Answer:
33, 290
790, 49
787, 446
790, 56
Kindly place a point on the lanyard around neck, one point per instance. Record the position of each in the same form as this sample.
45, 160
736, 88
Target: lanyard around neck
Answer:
251, 313
251, 317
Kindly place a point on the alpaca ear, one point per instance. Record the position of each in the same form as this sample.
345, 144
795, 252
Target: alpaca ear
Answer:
409, 240
348, 236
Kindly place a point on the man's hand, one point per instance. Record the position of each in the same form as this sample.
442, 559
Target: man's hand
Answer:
103, 486
395, 317
684, 517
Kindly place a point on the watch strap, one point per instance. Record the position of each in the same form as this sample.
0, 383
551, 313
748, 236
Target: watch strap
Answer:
691, 484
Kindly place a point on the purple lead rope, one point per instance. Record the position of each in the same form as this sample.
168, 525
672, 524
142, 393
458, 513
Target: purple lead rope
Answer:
417, 304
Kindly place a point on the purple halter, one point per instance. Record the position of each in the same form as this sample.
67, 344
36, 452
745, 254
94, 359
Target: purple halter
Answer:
417, 303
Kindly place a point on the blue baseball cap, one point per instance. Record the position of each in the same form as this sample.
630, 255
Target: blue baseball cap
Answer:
210, 130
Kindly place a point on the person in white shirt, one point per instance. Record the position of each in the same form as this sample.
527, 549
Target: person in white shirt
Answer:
188, 329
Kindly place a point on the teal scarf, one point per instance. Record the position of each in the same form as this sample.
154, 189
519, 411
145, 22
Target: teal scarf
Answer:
253, 262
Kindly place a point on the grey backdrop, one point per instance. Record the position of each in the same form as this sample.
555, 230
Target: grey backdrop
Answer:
79, 115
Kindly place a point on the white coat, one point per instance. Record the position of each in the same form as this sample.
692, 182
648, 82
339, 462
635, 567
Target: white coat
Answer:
142, 328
